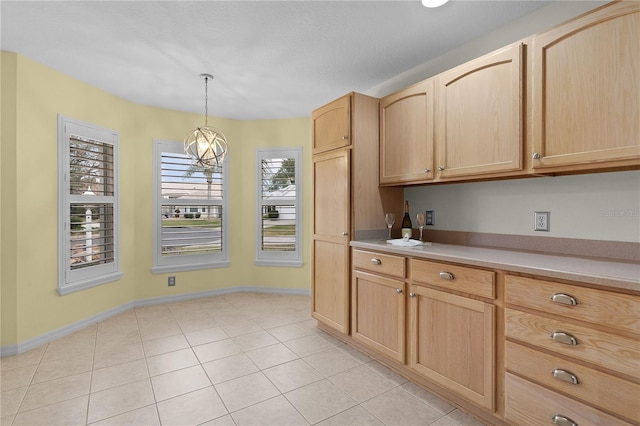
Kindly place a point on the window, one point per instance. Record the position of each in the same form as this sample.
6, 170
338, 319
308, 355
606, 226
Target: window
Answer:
278, 201
189, 220
87, 206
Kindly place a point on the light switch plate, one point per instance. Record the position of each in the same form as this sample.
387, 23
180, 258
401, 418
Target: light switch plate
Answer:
541, 221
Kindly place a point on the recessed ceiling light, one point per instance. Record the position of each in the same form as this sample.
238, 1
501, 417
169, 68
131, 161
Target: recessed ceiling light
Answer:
433, 3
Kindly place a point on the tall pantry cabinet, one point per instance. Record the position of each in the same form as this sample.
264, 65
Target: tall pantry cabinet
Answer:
346, 198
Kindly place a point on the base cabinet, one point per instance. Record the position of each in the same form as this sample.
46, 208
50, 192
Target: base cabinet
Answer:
572, 352
451, 342
532, 405
378, 313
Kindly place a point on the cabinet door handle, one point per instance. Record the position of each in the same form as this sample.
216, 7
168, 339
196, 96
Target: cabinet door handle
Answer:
376, 261
345, 137
562, 337
412, 294
427, 170
447, 276
399, 290
565, 376
441, 168
344, 234
536, 156
564, 299
563, 421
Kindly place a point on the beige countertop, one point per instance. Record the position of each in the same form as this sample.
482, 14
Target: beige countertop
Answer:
609, 273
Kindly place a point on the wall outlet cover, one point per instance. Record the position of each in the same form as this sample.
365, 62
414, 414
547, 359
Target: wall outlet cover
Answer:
430, 217
541, 221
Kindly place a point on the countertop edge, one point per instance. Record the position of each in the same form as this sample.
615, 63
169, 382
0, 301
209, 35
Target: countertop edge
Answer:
605, 273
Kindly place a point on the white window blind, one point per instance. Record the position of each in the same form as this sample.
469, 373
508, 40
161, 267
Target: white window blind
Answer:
278, 200
88, 200
190, 217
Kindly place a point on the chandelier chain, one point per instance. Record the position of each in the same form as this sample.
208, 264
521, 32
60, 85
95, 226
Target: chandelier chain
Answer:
206, 101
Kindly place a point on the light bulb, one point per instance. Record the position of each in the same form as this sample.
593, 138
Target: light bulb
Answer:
433, 3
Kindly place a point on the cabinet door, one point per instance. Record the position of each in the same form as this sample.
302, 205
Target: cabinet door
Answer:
451, 342
331, 125
586, 91
331, 192
378, 313
479, 115
406, 135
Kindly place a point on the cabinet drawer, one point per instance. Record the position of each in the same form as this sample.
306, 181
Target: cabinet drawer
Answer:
595, 387
467, 280
608, 350
615, 310
529, 404
380, 263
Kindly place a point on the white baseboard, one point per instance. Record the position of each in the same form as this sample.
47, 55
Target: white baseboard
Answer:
79, 325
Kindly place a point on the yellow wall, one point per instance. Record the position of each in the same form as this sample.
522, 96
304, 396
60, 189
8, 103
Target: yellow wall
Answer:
30, 304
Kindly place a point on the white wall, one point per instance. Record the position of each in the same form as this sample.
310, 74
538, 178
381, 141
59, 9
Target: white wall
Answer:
603, 206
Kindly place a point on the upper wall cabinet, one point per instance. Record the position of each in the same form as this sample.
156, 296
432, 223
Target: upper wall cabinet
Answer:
331, 125
586, 90
479, 114
406, 135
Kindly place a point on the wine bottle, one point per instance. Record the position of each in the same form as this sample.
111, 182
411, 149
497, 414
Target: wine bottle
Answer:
406, 222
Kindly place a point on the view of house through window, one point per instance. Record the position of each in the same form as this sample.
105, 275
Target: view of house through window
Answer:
191, 210
278, 196
190, 215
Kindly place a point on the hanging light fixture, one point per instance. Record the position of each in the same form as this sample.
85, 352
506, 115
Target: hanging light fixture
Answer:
205, 145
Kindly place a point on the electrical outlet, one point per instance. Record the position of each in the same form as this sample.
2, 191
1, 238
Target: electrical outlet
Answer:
172, 281
430, 217
541, 221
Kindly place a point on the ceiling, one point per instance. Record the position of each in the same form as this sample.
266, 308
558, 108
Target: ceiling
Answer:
270, 59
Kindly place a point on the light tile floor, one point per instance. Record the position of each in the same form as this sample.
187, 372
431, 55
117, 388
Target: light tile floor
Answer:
238, 359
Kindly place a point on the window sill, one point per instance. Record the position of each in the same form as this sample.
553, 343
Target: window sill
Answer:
281, 263
88, 283
193, 267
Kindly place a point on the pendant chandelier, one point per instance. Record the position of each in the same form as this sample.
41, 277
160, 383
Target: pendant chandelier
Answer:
206, 146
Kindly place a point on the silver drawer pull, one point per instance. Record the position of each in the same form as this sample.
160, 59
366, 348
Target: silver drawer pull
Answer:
399, 290
562, 337
564, 299
447, 276
376, 261
412, 294
563, 421
565, 375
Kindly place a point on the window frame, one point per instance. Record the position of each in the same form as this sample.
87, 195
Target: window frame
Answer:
178, 263
278, 258
72, 280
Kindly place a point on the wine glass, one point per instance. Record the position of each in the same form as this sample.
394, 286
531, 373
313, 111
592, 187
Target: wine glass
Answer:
389, 219
420, 219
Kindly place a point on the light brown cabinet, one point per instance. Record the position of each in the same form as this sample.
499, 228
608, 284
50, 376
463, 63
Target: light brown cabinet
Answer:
479, 115
378, 302
378, 313
346, 198
331, 125
452, 337
568, 339
332, 222
586, 92
406, 135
